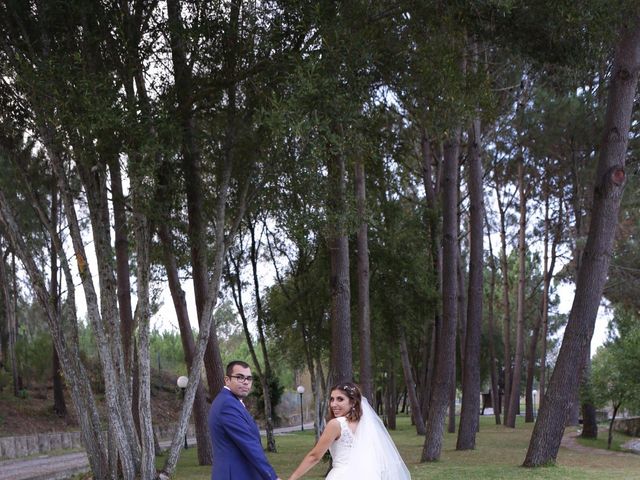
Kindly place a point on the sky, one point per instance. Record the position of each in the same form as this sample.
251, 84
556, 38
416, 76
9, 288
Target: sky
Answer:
566, 291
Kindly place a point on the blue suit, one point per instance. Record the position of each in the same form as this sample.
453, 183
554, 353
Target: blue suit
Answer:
237, 450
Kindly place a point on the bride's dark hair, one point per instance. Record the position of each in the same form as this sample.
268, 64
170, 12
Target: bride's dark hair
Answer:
352, 391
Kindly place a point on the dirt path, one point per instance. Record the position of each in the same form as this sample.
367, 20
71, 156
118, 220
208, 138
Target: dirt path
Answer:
570, 441
49, 468
64, 466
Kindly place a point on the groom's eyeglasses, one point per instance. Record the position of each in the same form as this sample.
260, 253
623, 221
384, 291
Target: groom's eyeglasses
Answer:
242, 378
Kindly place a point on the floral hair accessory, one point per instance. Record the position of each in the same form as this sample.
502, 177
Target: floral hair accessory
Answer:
348, 388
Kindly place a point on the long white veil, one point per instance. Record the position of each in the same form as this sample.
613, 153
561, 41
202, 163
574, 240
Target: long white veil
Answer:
374, 455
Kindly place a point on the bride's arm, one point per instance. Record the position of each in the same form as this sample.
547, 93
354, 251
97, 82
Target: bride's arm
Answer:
331, 434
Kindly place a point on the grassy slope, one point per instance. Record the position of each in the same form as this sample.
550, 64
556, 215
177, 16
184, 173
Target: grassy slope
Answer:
34, 413
498, 454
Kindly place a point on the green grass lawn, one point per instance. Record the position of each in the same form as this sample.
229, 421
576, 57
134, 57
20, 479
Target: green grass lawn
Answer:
498, 455
618, 439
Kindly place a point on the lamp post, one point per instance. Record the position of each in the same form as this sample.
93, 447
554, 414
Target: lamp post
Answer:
182, 383
535, 394
300, 390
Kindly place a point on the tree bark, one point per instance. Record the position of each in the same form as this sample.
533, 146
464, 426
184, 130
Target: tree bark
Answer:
200, 407
191, 163
341, 353
364, 308
212, 298
10, 315
451, 408
81, 395
446, 344
589, 419
122, 259
495, 388
409, 381
514, 398
549, 262
103, 314
266, 373
506, 304
390, 400
142, 320
613, 419
608, 189
433, 324
59, 405
469, 421
549, 269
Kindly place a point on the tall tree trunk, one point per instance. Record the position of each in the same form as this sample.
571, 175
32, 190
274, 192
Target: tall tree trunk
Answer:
461, 332
68, 349
549, 267
531, 370
451, 410
447, 342
321, 394
433, 324
142, 319
608, 189
16, 325
409, 381
200, 407
589, 418
616, 406
206, 329
139, 99
364, 317
103, 314
266, 373
495, 387
471, 374
541, 324
506, 303
341, 354
390, 400
81, 394
514, 398
121, 239
59, 405
191, 163
10, 315
436, 333
121, 232
4, 337
312, 355
462, 310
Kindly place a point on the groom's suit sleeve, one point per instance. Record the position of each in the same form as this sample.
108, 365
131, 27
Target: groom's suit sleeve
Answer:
242, 430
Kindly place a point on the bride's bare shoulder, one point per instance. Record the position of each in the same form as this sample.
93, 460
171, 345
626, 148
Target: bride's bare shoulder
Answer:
332, 428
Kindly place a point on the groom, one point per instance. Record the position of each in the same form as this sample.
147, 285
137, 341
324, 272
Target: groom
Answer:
237, 450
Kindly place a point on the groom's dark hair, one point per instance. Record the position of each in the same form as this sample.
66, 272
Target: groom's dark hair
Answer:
230, 366
352, 391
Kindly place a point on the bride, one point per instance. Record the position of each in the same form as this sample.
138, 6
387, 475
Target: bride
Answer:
355, 436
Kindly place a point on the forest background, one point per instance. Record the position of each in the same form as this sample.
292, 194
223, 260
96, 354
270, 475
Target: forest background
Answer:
418, 175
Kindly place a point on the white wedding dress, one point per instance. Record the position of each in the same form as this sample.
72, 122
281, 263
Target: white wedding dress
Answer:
340, 451
367, 454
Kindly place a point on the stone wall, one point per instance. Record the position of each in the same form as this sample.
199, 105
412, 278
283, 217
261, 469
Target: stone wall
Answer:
42, 443
25, 445
630, 426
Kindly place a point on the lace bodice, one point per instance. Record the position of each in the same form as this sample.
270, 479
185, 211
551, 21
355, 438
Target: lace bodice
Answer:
341, 448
